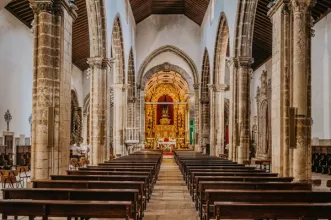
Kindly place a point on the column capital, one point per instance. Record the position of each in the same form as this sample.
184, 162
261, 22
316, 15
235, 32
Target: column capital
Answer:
41, 6
276, 6
71, 8
99, 62
221, 87
245, 61
301, 6
196, 86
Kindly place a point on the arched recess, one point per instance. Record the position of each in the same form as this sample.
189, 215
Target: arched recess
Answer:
76, 120
218, 126
117, 51
163, 49
205, 105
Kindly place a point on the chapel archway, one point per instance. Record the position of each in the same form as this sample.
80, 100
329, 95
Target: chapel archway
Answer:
218, 128
204, 103
167, 111
76, 120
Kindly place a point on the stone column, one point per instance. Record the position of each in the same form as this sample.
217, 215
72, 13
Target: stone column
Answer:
301, 34
197, 116
142, 119
233, 124
98, 109
118, 119
219, 117
243, 107
212, 123
280, 15
51, 97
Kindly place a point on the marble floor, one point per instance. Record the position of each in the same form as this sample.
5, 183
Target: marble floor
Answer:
170, 199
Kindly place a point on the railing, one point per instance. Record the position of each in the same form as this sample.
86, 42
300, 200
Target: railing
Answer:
132, 135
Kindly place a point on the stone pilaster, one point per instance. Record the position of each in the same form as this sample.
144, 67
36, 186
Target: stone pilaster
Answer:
243, 107
197, 116
118, 119
233, 114
280, 15
142, 119
219, 91
301, 87
99, 68
51, 87
212, 112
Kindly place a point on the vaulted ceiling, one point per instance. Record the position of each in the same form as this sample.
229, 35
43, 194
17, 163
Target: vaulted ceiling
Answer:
80, 33
193, 9
262, 38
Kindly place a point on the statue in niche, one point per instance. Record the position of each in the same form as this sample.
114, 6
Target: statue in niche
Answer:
165, 118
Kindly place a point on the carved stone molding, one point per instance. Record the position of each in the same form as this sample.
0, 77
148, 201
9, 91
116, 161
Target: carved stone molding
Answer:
221, 87
100, 62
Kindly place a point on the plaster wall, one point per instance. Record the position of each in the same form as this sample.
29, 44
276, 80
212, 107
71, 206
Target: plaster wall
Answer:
16, 62
321, 79
77, 83
160, 30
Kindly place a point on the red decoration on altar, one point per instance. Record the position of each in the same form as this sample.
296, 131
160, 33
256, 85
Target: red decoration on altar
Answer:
166, 139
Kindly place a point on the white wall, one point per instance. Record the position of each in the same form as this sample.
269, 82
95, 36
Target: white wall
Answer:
77, 84
160, 30
16, 66
255, 82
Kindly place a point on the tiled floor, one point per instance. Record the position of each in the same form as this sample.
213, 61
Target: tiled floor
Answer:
170, 199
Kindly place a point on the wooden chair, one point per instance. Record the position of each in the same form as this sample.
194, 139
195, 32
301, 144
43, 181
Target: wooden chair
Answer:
74, 163
22, 173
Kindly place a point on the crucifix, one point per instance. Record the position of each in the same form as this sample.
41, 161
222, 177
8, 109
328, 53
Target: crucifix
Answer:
8, 118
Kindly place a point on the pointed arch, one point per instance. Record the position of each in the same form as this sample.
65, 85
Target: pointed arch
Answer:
221, 50
131, 77
163, 49
205, 73
96, 14
117, 46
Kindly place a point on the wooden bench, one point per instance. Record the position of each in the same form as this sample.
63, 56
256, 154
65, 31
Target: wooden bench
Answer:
259, 196
79, 194
65, 208
229, 210
86, 184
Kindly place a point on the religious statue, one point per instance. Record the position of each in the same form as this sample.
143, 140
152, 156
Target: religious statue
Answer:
165, 119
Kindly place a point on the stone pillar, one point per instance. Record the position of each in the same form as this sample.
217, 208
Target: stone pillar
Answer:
197, 116
51, 97
142, 119
98, 109
301, 77
243, 108
219, 117
118, 119
233, 124
280, 15
212, 123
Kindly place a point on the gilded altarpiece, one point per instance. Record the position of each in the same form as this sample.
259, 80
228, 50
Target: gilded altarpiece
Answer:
166, 114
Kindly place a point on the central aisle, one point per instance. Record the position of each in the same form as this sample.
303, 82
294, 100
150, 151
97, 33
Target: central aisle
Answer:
170, 199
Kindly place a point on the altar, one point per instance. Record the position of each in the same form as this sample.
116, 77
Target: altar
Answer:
166, 145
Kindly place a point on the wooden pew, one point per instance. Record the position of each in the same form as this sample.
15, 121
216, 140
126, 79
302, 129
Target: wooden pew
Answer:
78, 194
260, 196
86, 184
229, 210
115, 178
65, 208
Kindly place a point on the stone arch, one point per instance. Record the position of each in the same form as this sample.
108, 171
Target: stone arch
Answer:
163, 49
117, 51
221, 50
131, 77
245, 18
76, 120
96, 14
204, 97
168, 67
